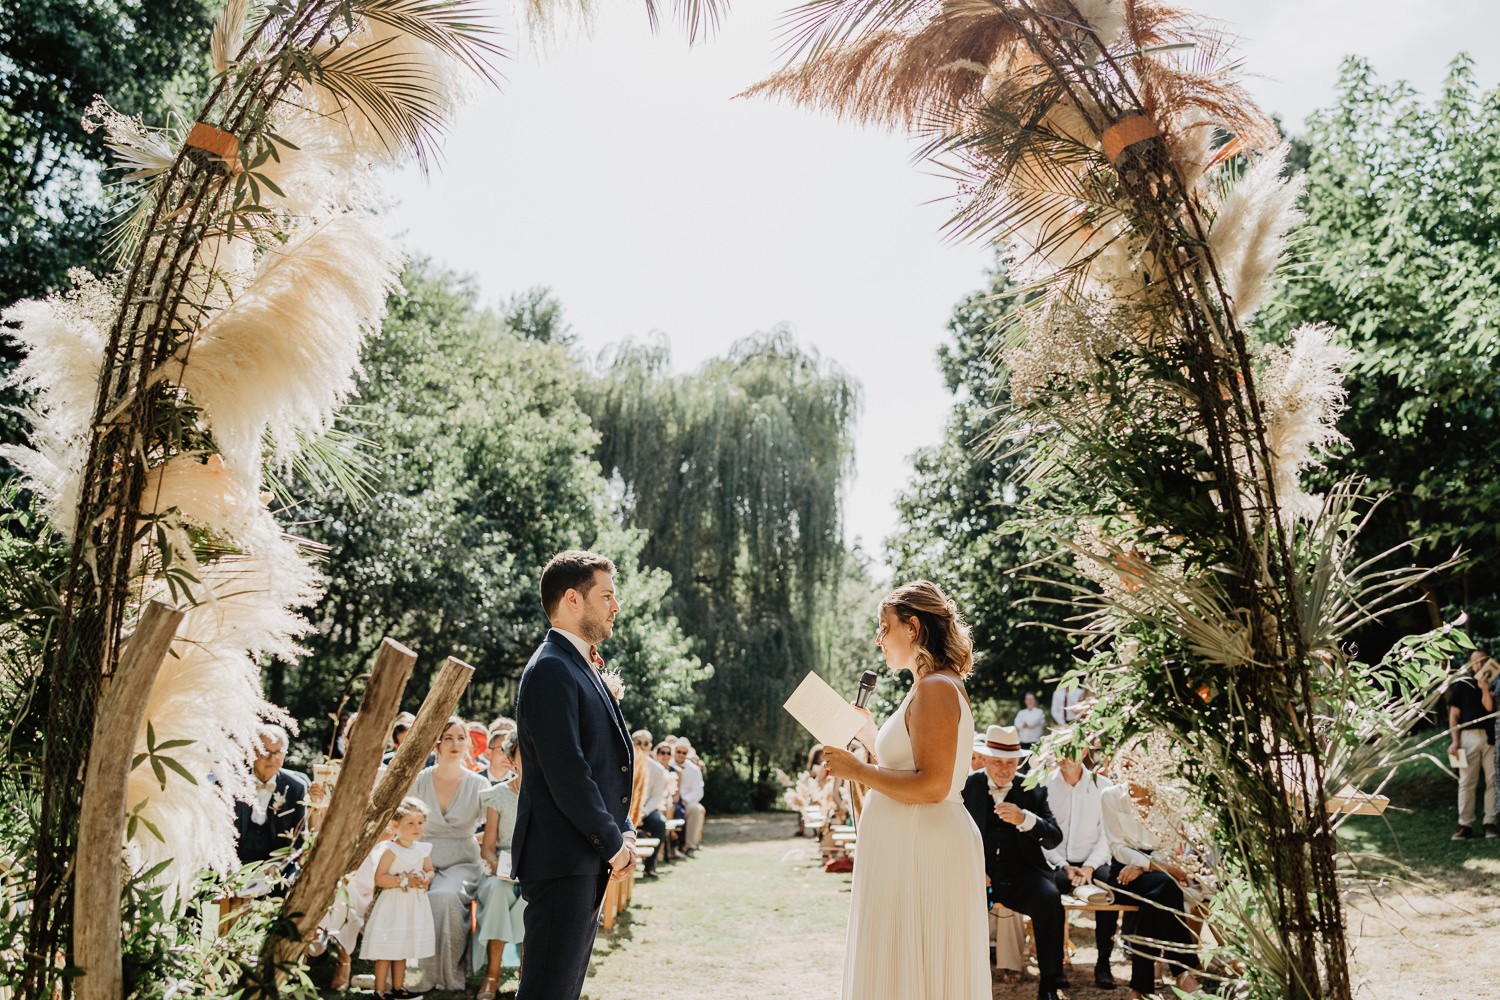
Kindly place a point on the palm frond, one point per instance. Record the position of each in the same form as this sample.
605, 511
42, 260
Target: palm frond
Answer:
456, 28
896, 78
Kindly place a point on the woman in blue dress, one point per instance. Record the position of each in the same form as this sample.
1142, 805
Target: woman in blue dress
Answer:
500, 904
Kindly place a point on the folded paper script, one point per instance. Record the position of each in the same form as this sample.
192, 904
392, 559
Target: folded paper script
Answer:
824, 712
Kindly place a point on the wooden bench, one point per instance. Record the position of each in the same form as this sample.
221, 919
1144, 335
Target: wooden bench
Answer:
1071, 905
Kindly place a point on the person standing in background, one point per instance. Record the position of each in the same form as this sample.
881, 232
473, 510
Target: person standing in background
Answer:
1472, 731
1031, 722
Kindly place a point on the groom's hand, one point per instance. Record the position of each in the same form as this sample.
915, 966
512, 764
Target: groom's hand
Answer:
623, 861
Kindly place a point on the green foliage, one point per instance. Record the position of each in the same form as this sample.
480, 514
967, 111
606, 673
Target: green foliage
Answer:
956, 515
1403, 204
735, 472
55, 56
479, 471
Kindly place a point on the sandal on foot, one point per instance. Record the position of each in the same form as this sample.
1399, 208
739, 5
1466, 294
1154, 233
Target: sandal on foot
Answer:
488, 988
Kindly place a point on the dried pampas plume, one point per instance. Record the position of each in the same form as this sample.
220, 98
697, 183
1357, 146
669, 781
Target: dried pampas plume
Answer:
1303, 390
273, 267
1248, 234
278, 361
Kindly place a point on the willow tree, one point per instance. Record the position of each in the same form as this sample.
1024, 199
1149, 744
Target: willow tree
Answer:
736, 472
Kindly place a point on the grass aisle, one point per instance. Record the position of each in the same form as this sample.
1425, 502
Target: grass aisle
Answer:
753, 916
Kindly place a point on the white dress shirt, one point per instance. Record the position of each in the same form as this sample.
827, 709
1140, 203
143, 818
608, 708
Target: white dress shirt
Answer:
1130, 841
1080, 813
692, 783
655, 797
998, 794
1031, 724
264, 792
582, 647
1063, 702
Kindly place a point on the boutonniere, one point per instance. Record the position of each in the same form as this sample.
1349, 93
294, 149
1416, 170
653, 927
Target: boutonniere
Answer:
278, 799
613, 683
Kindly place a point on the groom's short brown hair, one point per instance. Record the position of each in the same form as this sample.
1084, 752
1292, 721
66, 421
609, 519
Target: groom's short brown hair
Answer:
571, 570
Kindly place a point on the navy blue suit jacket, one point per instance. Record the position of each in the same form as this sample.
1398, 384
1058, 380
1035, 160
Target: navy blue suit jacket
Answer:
283, 825
1007, 850
578, 763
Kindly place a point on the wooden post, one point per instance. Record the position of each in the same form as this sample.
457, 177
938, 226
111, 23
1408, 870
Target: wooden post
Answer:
411, 756
101, 820
327, 862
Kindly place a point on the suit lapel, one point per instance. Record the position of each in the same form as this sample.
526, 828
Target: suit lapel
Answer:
576, 658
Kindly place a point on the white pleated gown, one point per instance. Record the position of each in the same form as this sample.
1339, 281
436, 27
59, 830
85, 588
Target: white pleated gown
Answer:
917, 923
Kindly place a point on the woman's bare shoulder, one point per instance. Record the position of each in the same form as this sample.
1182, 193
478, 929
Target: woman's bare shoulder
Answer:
936, 689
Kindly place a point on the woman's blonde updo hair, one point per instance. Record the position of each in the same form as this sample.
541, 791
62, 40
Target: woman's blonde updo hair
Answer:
943, 641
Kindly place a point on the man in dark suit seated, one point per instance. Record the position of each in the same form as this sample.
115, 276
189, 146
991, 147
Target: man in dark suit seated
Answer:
1017, 826
273, 819
573, 833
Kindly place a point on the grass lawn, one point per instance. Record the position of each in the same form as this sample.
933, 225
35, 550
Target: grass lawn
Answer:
1416, 832
754, 916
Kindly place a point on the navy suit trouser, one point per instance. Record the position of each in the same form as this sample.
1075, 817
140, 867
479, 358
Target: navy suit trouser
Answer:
1036, 895
1105, 921
1158, 930
562, 918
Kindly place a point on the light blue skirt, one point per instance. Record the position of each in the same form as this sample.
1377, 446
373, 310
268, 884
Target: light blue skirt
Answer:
501, 912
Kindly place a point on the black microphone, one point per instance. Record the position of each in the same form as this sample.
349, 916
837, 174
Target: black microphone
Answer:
866, 688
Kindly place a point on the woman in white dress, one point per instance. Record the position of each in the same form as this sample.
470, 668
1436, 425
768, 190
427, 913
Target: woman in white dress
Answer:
917, 923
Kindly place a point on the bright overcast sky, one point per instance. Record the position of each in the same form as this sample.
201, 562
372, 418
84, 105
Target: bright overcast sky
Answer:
616, 169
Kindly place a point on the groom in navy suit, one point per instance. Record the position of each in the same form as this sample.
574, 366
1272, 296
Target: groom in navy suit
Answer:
573, 833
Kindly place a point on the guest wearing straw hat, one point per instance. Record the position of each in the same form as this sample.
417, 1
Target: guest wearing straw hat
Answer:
1017, 826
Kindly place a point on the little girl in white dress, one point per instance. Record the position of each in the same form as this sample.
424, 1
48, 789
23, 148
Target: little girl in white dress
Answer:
400, 925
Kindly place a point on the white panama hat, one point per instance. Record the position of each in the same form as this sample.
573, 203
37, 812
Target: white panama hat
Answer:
1002, 743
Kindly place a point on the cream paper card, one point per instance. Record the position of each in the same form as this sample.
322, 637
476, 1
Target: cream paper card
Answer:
824, 712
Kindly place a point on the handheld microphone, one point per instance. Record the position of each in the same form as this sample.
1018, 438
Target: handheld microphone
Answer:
866, 688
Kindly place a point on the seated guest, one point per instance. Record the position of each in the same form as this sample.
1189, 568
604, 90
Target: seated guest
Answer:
976, 759
639, 767
399, 729
654, 797
690, 785
1146, 875
1017, 827
1074, 792
273, 819
501, 908
456, 810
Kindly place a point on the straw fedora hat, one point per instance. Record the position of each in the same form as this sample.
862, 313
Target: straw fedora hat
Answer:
1002, 742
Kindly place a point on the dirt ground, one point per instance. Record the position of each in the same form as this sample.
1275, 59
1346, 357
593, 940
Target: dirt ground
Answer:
755, 918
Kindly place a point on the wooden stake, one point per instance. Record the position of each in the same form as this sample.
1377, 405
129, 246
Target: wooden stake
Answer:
327, 862
411, 756
97, 866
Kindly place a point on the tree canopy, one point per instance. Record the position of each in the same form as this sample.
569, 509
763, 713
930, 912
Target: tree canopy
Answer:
960, 514
479, 471
1399, 254
55, 57
735, 473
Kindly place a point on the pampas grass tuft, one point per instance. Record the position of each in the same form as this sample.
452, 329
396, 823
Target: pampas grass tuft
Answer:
64, 339
280, 360
208, 691
1302, 390
1249, 232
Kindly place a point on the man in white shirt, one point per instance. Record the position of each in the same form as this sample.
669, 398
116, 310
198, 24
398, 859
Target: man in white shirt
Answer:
1031, 723
1074, 793
654, 797
691, 792
1065, 701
